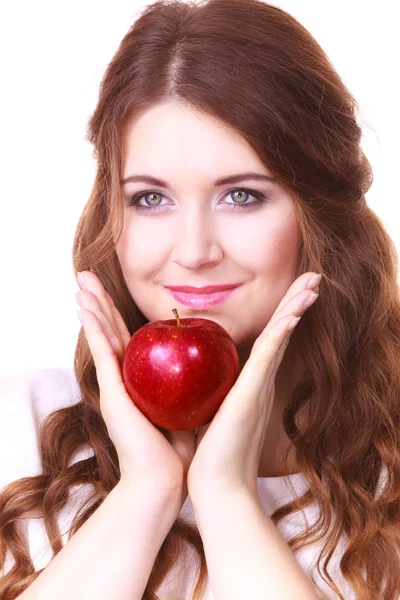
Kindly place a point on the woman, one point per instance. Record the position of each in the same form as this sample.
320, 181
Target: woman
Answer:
199, 92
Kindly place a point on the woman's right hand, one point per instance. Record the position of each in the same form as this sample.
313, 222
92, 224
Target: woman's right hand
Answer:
149, 456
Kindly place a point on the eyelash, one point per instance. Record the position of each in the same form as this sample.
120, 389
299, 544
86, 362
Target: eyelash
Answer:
260, 198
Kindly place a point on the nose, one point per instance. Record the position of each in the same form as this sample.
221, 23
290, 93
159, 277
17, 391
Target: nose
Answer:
196, 240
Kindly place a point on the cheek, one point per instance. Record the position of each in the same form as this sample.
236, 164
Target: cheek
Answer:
141, 251
270, 246
280, 250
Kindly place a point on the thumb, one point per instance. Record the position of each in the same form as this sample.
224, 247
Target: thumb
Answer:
200, 434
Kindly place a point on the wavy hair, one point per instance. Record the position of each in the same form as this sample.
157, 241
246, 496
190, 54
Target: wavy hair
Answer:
256, 68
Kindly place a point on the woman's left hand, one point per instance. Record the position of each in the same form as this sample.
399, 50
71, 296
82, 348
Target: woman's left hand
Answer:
228, 449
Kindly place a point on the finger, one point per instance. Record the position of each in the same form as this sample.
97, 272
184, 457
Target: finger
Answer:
266, 343
270, 346
201, 431
265, 353
113, 395
310, 299
89, 301
94, 285
108, 370
238, 406
118, 320
297, 286
296, 306
276, 361
262, 355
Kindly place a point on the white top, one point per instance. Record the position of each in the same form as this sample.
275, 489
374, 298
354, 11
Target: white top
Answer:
27, 398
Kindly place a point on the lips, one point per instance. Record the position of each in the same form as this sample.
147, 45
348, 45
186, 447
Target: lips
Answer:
202, 301
208, 289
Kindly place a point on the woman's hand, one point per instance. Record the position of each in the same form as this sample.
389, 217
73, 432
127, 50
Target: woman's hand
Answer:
229, 448
149, 456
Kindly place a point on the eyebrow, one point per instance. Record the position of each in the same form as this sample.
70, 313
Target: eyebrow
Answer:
223, 181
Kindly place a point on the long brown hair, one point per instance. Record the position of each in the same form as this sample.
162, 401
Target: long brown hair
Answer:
253, 66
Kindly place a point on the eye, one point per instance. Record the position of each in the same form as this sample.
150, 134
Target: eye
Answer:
242, 204
134, 201
259, 198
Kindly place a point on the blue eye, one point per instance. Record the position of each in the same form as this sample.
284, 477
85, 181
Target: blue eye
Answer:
259, 199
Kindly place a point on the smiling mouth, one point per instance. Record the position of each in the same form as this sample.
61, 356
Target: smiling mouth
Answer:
202, 301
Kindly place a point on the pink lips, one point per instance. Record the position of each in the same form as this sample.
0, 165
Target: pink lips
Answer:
202, 300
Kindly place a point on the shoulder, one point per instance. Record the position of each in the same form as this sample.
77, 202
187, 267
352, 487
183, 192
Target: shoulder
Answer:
40, 391
25, 399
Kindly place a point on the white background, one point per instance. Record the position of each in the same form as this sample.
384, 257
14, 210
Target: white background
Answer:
53, 56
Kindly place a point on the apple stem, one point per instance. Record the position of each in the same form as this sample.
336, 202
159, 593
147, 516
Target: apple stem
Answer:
177, 317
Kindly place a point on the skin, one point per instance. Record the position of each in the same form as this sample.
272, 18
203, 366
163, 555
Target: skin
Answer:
194, 239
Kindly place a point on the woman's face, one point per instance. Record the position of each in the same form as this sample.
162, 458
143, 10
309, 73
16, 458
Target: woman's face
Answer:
197, 233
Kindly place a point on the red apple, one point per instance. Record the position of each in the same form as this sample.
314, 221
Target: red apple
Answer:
179, 371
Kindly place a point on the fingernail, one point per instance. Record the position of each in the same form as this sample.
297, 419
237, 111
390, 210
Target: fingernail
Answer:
80, 316
81, 279
314, 281
310, 300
